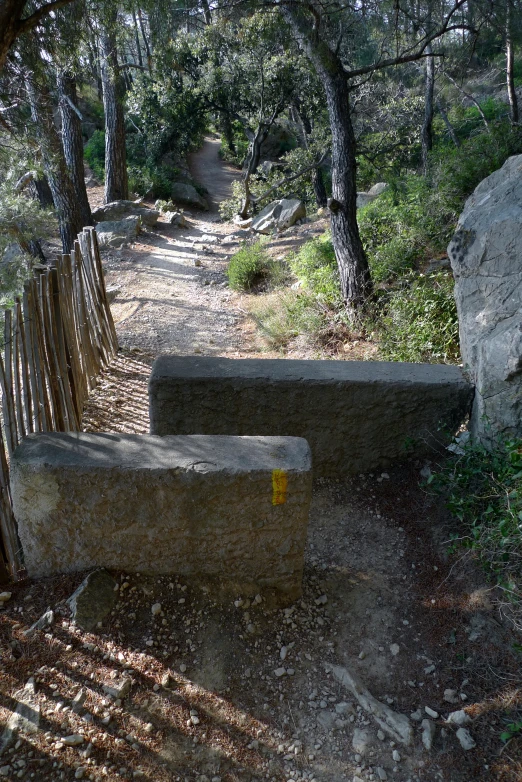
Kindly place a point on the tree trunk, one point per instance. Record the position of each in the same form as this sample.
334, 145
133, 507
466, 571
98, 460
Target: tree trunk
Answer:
427, 126
449, 126
252, 163
137, 40
228, 133
354, 272
116, 182
72, 142
305, 125
145, 39
55, 167
40, 190
510, 65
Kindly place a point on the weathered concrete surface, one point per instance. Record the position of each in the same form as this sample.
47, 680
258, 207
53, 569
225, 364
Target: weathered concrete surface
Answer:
357, 416
186, 505
486, 256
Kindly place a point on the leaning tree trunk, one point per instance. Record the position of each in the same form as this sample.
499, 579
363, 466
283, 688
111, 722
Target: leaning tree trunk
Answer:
40, 190
55, 167
116, 182
354, 272
427, 125
72, 141
252, 161
510, 65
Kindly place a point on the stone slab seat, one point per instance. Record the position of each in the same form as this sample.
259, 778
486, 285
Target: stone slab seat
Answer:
356, 415
235, 508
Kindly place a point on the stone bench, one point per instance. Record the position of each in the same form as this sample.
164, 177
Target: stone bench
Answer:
356, 415
235, 508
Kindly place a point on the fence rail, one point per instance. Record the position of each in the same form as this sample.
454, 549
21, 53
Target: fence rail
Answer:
57, 338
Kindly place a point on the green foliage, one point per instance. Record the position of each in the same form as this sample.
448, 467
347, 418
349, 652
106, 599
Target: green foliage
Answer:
150, 180
483, 490
419, 322
248, 266
316, 267
94, 153
21, 220
512, 729
286, 314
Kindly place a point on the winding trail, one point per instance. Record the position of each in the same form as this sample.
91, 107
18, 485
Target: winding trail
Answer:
172, 295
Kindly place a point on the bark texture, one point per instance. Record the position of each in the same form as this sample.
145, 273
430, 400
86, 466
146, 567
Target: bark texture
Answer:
55, 167
72, 141
116, 182
354, 272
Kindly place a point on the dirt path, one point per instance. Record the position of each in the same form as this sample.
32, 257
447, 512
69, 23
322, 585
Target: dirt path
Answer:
233, 690
214, 174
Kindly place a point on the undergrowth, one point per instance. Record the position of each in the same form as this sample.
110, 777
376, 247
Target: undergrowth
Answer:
248, 266
483, 490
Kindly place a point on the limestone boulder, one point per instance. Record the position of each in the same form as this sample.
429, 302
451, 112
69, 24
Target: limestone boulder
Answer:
363, 199
116, 233
118, 210
187, 194
486, 257
279, 215
175, 218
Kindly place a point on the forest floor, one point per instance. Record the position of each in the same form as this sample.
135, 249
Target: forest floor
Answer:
235, 690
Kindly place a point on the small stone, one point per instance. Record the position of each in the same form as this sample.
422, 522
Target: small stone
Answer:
321, 601
167, 680
396, 756
5, 771
283, 652
5, 596
78, 701
459, 718
428, 733
395, 649
279, 672
416, 716
194, 720
429, 669
156, 609
381, 773
431, 713
182, 667
79, 772
73, 741
381, 735
361, 740
118, 690
362, 655
465, 739
451, 696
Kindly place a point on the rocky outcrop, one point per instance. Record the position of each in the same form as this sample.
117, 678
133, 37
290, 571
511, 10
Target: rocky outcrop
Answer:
115, 233
117, 210
188, 195
486, 257
363, 199
279, 215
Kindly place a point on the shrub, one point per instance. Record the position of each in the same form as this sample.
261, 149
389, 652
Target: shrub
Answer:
483, 490
420, 322
151, 180
282, 315
94, 153
315, 265
248, 266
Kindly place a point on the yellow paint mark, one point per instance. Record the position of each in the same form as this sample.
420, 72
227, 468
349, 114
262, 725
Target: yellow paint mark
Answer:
279, 485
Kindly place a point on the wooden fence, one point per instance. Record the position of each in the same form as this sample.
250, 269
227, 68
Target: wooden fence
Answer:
57, 338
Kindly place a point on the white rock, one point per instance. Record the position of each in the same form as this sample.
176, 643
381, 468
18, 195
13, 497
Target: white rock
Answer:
361, 740
396, 756
280, 672
465, 738
156, 609
416, 715
381, 773
395, 649
73, 741
5, 596
450, 696
428, 733
431, 713
283, 652
459, 718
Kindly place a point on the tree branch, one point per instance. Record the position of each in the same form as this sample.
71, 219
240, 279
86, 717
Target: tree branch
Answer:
286, 180
27, 24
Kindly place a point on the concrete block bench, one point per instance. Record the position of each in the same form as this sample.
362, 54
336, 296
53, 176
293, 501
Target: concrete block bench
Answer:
229, 507
356, 415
